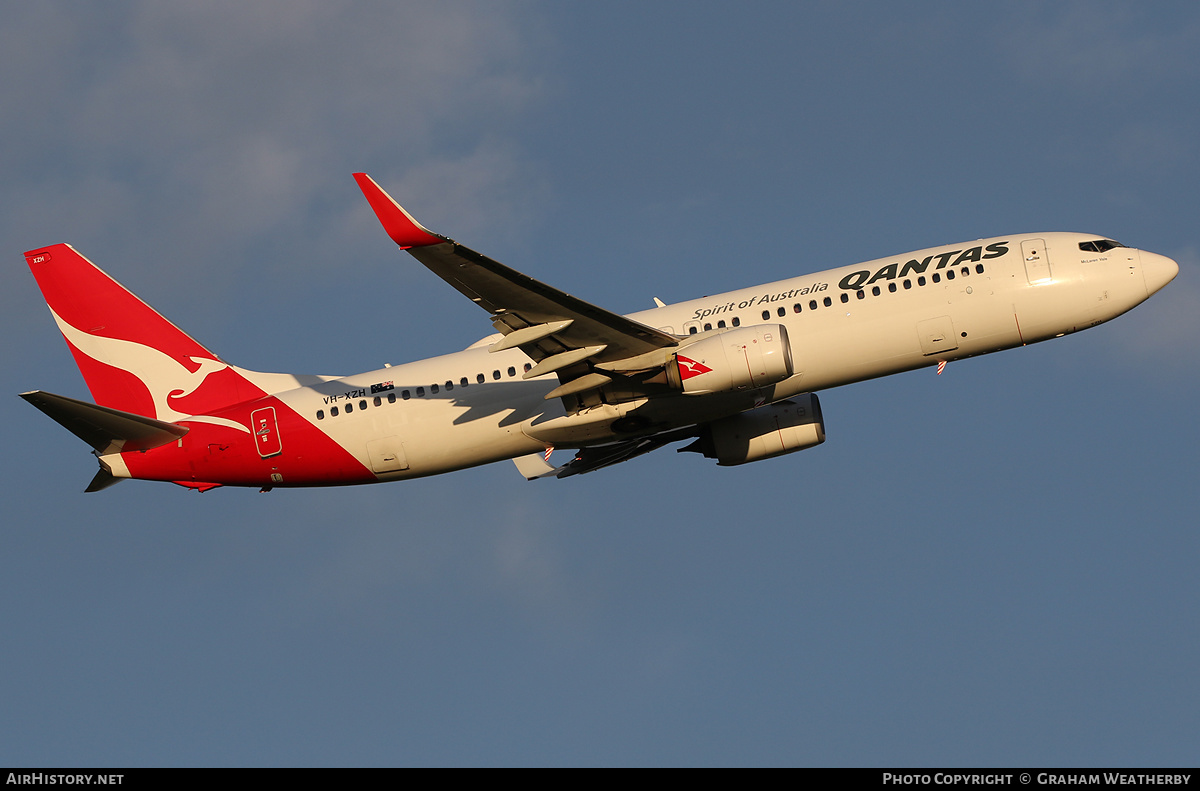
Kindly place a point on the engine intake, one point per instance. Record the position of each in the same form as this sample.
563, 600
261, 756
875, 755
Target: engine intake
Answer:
741, 359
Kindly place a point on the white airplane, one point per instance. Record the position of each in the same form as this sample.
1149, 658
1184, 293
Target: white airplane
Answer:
737, 373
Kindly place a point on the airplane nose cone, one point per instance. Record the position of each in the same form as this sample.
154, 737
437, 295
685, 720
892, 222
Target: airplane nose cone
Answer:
1158, 270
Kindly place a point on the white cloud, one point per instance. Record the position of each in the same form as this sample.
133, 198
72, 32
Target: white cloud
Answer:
221, 120
166, 140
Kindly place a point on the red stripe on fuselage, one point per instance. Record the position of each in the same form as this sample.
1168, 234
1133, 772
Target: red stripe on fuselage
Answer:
220, 454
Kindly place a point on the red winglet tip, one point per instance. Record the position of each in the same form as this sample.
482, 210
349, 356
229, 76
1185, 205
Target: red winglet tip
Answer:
399, 224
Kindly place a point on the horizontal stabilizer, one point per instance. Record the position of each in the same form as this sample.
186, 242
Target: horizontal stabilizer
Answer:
105, 429
103, 480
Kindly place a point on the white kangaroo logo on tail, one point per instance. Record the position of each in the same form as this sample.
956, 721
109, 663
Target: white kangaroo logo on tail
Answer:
163, 376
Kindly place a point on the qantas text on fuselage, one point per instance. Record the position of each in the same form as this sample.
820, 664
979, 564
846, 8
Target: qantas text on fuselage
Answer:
735, 374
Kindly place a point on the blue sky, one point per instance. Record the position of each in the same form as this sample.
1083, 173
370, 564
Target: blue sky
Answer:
995, 566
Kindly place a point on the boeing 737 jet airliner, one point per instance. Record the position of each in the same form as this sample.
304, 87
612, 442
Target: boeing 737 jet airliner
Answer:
736, 373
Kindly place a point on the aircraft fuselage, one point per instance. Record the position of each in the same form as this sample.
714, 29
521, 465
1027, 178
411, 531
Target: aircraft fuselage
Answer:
844, 325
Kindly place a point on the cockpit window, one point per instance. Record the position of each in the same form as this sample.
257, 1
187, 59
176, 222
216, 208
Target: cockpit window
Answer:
1099, 245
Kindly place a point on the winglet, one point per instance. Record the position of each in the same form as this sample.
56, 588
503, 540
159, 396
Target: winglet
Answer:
399, 224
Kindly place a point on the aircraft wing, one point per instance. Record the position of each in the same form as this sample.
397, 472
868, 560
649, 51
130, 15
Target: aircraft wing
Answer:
559, 332
595, 457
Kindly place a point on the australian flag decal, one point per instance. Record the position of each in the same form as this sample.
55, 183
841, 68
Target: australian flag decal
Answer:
382, 387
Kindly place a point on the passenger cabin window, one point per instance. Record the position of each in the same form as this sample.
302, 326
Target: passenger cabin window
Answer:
420, 392
845, 297
480, 378
781, 312
812, 304
378, 401
979, 269
361, 404
433, 390
693, 330
512, 371
827, 301
796, 308
908, 284
391, 398
737, 322
495, 374
721, 324
333, 411
766, 315
861, 294
320, 414
874, 291
349, 408
891, 288
707, 326
462, 382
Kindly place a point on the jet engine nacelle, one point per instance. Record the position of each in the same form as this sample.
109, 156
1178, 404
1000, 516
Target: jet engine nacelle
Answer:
740, 359
763, 433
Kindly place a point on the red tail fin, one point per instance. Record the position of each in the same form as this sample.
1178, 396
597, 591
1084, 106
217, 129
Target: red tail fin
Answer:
131, 357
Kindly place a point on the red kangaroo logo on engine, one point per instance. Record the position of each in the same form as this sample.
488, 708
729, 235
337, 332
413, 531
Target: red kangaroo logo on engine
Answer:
689, 367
